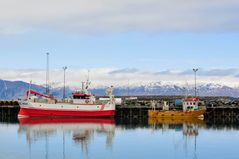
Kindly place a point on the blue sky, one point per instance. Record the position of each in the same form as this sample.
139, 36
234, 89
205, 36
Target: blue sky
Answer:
156, 52
141, 40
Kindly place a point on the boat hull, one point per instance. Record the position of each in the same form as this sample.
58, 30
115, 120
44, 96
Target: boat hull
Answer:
34, 112
153, 121
65, 110
176, 114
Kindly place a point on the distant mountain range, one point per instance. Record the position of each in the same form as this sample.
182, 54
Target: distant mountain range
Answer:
17, 89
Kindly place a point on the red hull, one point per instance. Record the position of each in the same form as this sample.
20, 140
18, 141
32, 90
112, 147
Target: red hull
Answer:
32, 112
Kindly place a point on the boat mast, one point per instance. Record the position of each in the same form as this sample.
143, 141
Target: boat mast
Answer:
88, 80
64, 87
47, 74
29, 90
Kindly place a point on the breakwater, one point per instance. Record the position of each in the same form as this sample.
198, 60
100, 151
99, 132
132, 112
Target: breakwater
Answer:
8, 103
8, 113
218, 108
225, 109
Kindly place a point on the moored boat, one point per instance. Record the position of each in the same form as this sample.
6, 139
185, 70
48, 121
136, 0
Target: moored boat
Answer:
82, 104
191, 109
156, 121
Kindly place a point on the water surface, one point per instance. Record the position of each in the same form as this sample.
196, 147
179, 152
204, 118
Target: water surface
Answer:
116, 139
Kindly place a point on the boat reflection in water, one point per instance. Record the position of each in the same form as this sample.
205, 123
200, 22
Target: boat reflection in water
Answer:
81, 130
188, 126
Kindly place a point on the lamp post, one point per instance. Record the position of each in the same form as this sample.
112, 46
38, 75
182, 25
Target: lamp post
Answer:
47, 74
195, 77
64, 88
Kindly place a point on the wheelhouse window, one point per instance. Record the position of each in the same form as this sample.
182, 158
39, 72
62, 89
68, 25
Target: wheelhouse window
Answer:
80, 97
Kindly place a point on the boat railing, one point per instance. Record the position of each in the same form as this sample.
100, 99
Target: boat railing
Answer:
42, 100
97, 102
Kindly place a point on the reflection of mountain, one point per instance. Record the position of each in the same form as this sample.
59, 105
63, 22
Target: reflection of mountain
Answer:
82, 130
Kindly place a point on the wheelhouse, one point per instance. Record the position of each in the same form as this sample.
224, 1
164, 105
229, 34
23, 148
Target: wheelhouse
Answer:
190, 104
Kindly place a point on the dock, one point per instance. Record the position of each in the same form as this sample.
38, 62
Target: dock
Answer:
9, 110
218, 108
8, 103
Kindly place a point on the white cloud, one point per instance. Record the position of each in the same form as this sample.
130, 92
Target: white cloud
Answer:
119, 15
101, 77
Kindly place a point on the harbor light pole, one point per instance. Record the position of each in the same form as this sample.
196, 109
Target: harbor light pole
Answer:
64, 88
47, 74
195, 77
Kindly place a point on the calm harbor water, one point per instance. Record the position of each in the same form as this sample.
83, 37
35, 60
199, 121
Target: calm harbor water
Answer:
115, 139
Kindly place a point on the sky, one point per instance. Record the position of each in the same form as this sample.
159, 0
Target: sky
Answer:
121, 41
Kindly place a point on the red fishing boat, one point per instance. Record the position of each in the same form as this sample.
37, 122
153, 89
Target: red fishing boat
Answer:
82, 104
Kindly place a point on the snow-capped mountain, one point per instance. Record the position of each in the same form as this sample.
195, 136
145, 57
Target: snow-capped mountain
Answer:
17, 89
